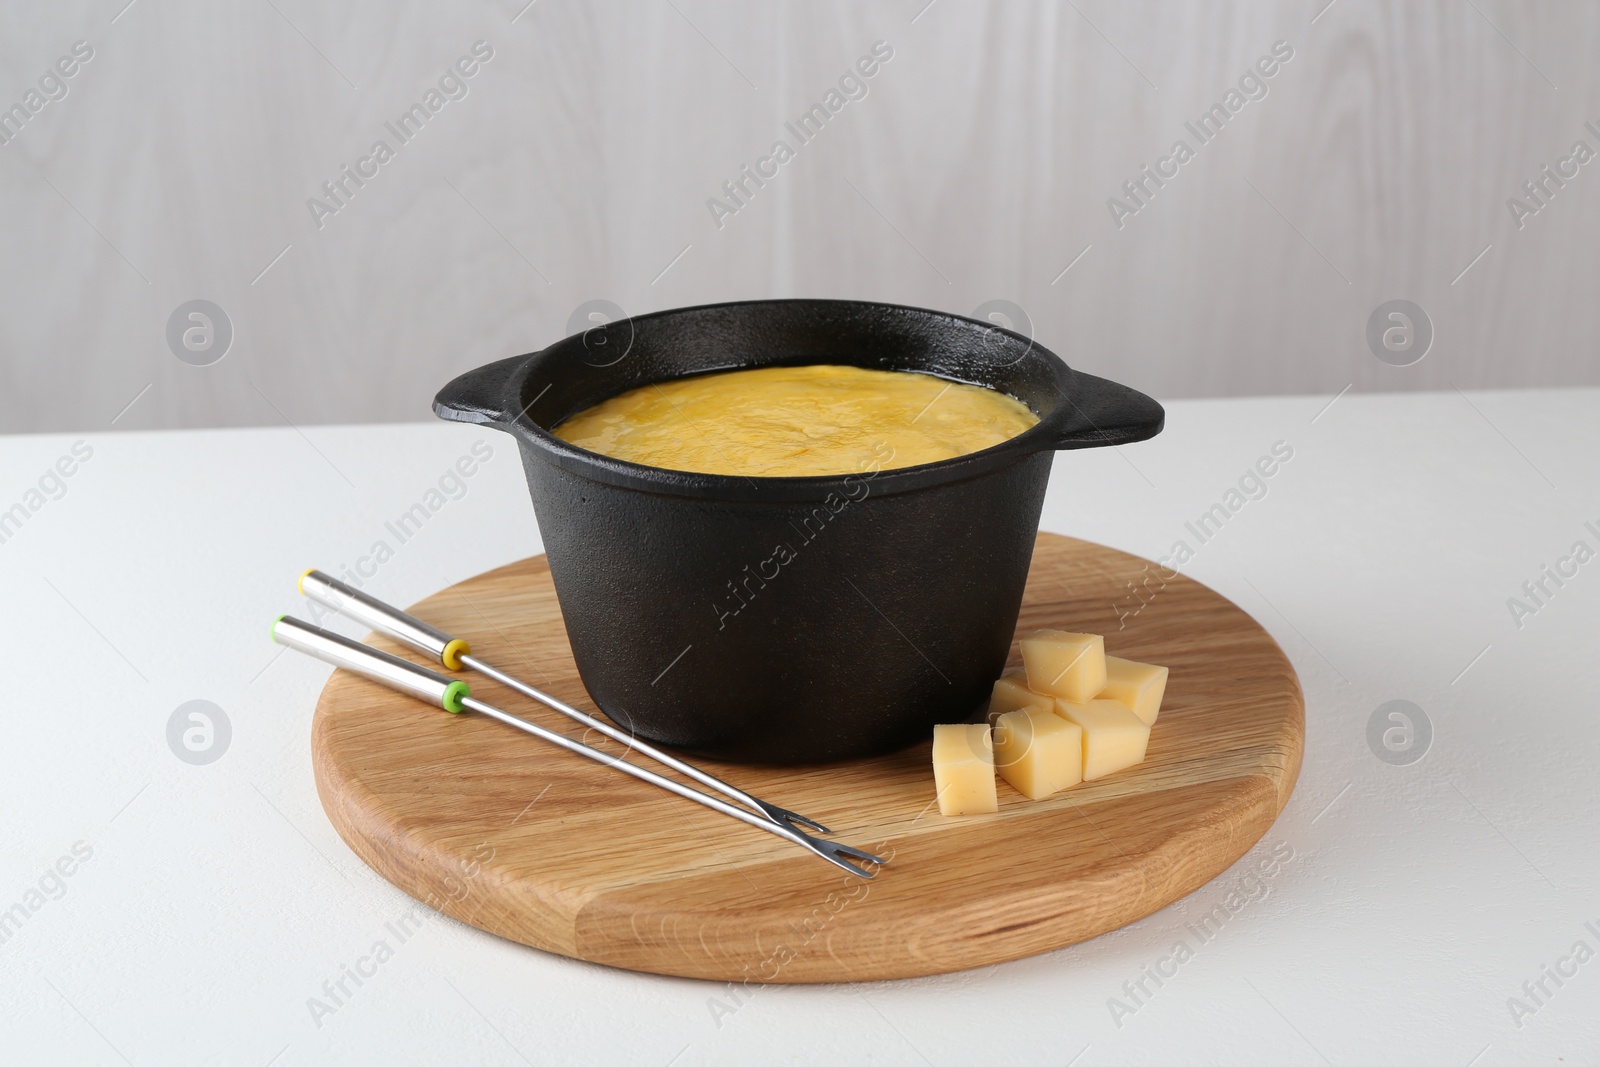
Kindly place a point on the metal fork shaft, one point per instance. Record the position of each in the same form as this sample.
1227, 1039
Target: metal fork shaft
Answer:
788, 833
410, 630
711, 781
453, 696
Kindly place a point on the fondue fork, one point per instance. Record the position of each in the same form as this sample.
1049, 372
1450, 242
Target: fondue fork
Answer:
454, 697
454, 653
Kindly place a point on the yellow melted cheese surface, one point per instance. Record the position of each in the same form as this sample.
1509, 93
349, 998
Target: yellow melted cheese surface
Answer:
797, 421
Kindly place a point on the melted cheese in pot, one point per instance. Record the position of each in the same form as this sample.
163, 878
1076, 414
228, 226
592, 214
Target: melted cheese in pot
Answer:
797, 421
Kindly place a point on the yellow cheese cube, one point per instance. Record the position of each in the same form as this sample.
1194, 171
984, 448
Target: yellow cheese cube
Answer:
1114, 738
1011, 693
963, 769
1038, 751
1138, 686
1067, 665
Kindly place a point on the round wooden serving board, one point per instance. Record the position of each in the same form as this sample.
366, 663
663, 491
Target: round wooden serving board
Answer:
535, 844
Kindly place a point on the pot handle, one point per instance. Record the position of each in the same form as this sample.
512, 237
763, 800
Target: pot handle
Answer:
1098, 412
481, 396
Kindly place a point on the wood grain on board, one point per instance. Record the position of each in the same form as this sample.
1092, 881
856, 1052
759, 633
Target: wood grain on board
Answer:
537, 845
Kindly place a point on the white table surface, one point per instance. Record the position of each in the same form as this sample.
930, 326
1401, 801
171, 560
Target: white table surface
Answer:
216, 899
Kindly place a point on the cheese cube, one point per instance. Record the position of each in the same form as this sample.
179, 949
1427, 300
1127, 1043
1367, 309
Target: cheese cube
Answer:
1038, 751
1067, 665
1138, 686
1114, 738
1011, 693
963, 769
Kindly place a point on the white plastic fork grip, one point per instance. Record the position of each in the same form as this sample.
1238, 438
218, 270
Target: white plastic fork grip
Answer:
392, 671
332, 593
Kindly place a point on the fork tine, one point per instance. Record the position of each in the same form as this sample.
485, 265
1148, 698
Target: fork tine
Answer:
794, 818
825, 849
836, 854
858, 853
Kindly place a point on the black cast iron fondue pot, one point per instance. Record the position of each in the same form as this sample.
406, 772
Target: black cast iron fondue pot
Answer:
791, 620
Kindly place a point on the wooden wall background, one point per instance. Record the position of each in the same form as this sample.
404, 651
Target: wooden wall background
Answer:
977, 168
